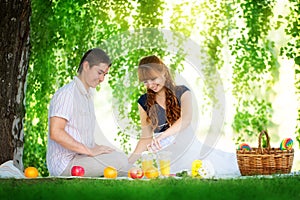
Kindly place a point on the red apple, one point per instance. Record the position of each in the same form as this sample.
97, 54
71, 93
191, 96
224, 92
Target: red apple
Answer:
136, 173
77, 171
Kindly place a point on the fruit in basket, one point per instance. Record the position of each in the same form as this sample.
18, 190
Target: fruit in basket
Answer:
286, 144
135, 173
244, 146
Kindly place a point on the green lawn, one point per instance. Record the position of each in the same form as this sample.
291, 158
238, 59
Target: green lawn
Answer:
187, 188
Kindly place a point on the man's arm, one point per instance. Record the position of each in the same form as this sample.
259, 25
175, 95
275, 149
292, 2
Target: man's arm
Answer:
59, 135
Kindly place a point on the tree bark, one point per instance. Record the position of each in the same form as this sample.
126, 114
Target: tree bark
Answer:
14, 61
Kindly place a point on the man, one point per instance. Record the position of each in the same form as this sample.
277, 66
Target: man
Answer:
72, 122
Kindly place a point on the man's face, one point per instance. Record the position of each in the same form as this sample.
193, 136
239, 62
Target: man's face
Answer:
96, 74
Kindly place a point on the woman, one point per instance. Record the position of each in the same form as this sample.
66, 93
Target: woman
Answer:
72, 123
166, 115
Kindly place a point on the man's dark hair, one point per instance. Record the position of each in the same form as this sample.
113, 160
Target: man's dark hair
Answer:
94, 56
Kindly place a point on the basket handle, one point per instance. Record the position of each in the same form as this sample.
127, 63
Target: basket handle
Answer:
263, 132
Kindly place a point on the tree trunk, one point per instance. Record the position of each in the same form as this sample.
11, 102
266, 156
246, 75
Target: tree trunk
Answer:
14, 52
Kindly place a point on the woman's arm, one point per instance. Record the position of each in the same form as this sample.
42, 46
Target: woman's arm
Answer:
183, 122
59, 135
145, 139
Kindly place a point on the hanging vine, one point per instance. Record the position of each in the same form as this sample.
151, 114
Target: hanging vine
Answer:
182, 24
291, 50
37, 95
216, 26
253, 69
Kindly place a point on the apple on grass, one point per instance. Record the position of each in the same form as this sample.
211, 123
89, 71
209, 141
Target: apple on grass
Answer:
77, 171
135, 173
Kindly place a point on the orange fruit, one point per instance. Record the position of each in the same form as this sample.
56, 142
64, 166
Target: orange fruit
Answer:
110, 172
31, 172
151, 172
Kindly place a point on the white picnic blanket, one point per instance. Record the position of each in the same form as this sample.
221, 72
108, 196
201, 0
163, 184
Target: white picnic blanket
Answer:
8, 170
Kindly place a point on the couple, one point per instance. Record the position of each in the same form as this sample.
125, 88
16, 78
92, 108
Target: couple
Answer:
165, 113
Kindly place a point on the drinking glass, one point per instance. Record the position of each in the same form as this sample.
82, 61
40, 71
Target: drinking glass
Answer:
164, 158
147, 160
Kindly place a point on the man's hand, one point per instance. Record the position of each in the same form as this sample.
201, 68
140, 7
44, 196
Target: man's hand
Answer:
100, 149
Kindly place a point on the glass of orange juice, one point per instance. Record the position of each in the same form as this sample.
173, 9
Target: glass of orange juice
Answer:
164, 158
147, 160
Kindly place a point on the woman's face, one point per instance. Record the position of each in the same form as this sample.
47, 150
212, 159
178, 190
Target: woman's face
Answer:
156, 84
95, 75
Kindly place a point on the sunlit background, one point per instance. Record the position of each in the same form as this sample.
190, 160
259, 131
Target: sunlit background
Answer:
248, 48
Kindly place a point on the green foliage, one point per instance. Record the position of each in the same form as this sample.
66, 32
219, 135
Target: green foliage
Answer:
254, 69
181, 20
149, 13
245, 122
291, 49
216, 27
40, 87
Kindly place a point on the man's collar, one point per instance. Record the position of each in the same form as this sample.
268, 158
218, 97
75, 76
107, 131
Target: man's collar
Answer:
82, 89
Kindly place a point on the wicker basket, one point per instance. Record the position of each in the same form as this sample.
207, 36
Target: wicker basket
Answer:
265, 161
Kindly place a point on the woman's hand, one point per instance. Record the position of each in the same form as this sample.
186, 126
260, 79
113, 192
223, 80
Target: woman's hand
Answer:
100, 149
155, 144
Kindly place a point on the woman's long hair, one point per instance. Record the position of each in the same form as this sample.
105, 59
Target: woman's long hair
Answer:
151, 67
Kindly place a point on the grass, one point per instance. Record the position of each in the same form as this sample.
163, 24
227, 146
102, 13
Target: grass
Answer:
188, 188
